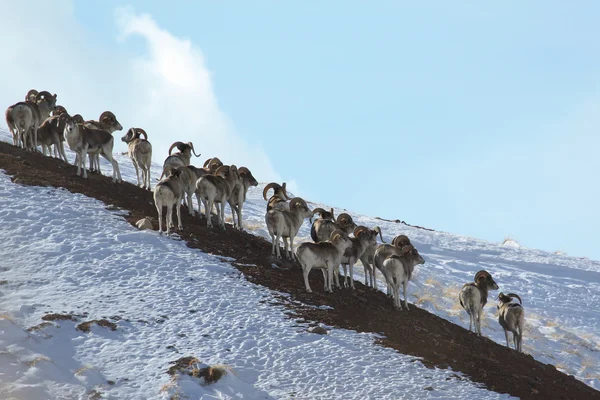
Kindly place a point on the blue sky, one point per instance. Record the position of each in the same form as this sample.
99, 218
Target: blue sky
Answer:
473, 118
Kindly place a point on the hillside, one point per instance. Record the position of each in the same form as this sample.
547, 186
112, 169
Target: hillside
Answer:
434, 333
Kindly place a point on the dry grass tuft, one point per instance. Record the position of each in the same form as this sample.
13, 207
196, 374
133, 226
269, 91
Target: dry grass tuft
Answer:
189, 366
33, 363
252, 227
86, 326
550, 323
39, 327
58, 317
83, 369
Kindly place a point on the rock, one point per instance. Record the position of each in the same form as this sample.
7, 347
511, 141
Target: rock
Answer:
144, 223
318, 330
428, 388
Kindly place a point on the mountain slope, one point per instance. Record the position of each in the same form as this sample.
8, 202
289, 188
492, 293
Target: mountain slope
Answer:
419, 333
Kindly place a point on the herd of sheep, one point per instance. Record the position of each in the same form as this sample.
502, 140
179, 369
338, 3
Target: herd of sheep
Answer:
39, 121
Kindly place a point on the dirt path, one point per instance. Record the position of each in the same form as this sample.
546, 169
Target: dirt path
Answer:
418, 332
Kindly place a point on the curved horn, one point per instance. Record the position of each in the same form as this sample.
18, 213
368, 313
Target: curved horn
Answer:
344, 218
78, 119
206, 162
31, 95
140, 131
320, 211
407, 249
378, 230
272, 185
401, 241
58, 110
284, 187
332, 214
514, 295
42, 95
244, 170
106, 114
222, 169
213, 164
176, 144
359, 230
481, 274
296, 201
194, 151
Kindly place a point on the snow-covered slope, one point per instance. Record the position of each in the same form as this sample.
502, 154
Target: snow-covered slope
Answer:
72, 255
67, 254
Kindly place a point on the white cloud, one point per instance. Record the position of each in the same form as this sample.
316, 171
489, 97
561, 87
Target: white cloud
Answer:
165, 88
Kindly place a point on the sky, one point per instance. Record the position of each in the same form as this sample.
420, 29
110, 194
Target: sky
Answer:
471, 118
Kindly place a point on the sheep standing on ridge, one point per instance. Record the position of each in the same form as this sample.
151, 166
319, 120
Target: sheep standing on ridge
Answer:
168, 192
473, 297
511, 317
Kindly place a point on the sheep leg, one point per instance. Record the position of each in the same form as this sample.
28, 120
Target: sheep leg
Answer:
62, 151
272, 241
478, 322
208, 213
190, 202
506, 336
179, 224
345, 275
82, 157
351, 275
305, 272
239, 213
330, 276
169, 219
223, 213
375, 277
404, 284
285, 247
35, 138
159, 209
324, 279
277, 246
148, 179
137, 172
292, 248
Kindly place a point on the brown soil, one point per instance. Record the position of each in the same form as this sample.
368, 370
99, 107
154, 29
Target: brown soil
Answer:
438, 342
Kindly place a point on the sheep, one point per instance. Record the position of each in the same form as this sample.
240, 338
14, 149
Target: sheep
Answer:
280, 197
50, 133
325, 255
80, 138
285, 224
168, 193
398, 269
212, 164
382, 252
511, 317
107, 122
473, 297
238, 196
367, 259
189, 176
22, 123
180, 158
140, 152
217, 189
363, 239
399, 242
322, 228
20, 118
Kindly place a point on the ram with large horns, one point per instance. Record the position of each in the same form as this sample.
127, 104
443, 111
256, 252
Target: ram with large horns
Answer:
139, 150
280, 197
180, 158
473, 297
285, 224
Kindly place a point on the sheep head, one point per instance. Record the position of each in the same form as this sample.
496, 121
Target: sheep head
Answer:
410, 252
483, 279
247, 176
506, 298
31, 95
109, 120
328, 215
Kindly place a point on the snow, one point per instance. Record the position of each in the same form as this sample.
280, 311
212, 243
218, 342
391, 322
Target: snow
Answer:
69, 254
